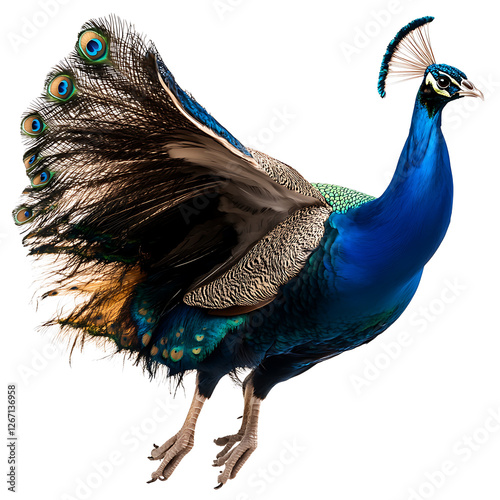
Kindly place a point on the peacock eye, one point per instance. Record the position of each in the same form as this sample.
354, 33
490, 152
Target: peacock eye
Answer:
443, 82
33, 125
92, 46
23, 215
42, 179
30, 159
61, 88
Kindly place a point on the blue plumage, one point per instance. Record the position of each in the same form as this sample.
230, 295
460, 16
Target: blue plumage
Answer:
189, 251
199, 113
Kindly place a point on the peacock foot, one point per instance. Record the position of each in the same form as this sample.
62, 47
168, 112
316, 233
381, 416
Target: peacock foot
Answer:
235, 458
178, 446
171, 453
228, 442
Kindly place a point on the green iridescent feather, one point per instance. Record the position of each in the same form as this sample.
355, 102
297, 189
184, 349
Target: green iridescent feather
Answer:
342, 199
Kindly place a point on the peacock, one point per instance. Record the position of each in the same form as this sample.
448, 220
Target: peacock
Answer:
162, 234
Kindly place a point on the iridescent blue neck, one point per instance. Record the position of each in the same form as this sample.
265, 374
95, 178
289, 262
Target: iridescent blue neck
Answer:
391, 238
422, 155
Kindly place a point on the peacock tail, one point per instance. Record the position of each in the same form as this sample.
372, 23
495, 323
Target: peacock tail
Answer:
156, 224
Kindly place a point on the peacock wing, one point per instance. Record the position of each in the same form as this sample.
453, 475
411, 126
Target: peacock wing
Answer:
273, 261
280, 256
138, 196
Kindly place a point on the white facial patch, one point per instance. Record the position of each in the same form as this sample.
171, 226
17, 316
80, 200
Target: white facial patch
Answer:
430, 79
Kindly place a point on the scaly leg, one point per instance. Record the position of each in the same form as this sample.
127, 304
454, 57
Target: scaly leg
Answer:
235, 458
178, 446
229, 441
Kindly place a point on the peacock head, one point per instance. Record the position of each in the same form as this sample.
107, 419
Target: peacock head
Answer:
442, 84
409, 55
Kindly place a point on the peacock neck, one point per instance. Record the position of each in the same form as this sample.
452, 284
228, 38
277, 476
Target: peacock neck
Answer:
421, 161
395, 235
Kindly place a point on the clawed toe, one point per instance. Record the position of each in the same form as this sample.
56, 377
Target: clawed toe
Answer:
177, 447
222, 440
238, 447
228, 442
236, 450
234, 460
172, 452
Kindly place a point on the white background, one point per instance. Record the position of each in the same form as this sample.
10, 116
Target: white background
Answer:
364, 425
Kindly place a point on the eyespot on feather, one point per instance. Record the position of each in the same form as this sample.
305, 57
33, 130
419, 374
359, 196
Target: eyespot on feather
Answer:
176, 353
61, 88
30, 159
92, 46
33, 125
22, 215
42, 179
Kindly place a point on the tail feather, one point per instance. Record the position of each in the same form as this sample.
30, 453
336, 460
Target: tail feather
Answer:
136, 193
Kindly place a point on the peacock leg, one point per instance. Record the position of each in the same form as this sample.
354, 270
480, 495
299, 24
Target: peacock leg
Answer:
230, 440
235, 458
178, 446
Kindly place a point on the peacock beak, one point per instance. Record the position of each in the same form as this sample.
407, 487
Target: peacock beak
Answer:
468, 89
